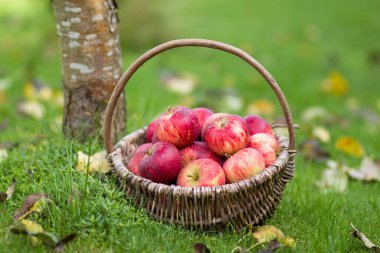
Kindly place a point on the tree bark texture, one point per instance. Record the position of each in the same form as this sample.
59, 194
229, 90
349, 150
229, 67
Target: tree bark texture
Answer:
91, 59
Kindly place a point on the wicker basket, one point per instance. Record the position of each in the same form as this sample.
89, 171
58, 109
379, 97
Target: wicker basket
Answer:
250, 201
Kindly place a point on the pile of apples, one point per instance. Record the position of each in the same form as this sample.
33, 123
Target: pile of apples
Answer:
196, 147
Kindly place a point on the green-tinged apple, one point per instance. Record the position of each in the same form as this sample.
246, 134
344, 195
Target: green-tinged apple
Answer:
201, 172
246, 163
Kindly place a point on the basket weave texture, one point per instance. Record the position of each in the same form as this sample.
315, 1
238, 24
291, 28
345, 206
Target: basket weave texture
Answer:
248, 202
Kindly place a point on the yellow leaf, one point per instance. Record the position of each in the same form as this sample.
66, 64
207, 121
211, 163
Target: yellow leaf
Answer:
38, 207
3, 154
335, 84
261, 107
268, 233
95, 163
321, 134
2, 97
349, 146
31, 227
31, 108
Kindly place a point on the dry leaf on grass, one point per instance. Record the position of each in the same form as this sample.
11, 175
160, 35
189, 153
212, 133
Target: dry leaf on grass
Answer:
33, 203
261, 107
334, 178
368, 171
335, 84
312, 150
267, 233
272, 247
38, 235
91, 164
182, 84
367, 243
31, 108
200, 248
9, 192
315, 113
3, 154
349, 146
322, 134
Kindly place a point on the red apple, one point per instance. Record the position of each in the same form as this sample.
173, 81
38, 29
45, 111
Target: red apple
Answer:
267, 145
161, 164
137, 155
179, 126
208, 121
198, 150
203, 114
244, 164
256, 124
227, 134
201, 172
150, 131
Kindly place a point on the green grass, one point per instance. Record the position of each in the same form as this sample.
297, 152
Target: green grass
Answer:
299, 42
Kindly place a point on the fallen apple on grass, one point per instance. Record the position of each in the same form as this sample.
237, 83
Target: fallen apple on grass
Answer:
161, 164
244, 164
178, 126
201, 172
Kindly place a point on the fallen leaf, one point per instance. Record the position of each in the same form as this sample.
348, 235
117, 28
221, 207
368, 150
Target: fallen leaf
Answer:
91, 164
9, 192
315, 113
31, 108
65, 240
273, 246
3, 154
26, 227
321, 134
4, 123
182, 84
349, 146
367, 243
36, 232
261, 107
32, 203
368, 171
352, 104
374, 57
2, 97
334, 178
200, 248
312, 150
36, 90
335, 84
268, 233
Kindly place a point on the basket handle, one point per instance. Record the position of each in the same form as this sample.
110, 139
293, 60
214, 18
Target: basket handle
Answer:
197, 43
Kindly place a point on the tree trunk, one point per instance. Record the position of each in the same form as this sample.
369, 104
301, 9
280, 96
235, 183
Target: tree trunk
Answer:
91, 59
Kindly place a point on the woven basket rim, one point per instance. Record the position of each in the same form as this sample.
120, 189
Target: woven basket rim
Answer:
258, 179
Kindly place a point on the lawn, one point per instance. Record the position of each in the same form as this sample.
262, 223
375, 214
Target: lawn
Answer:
299, 42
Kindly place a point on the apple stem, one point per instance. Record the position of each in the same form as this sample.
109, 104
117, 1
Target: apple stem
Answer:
227, 155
